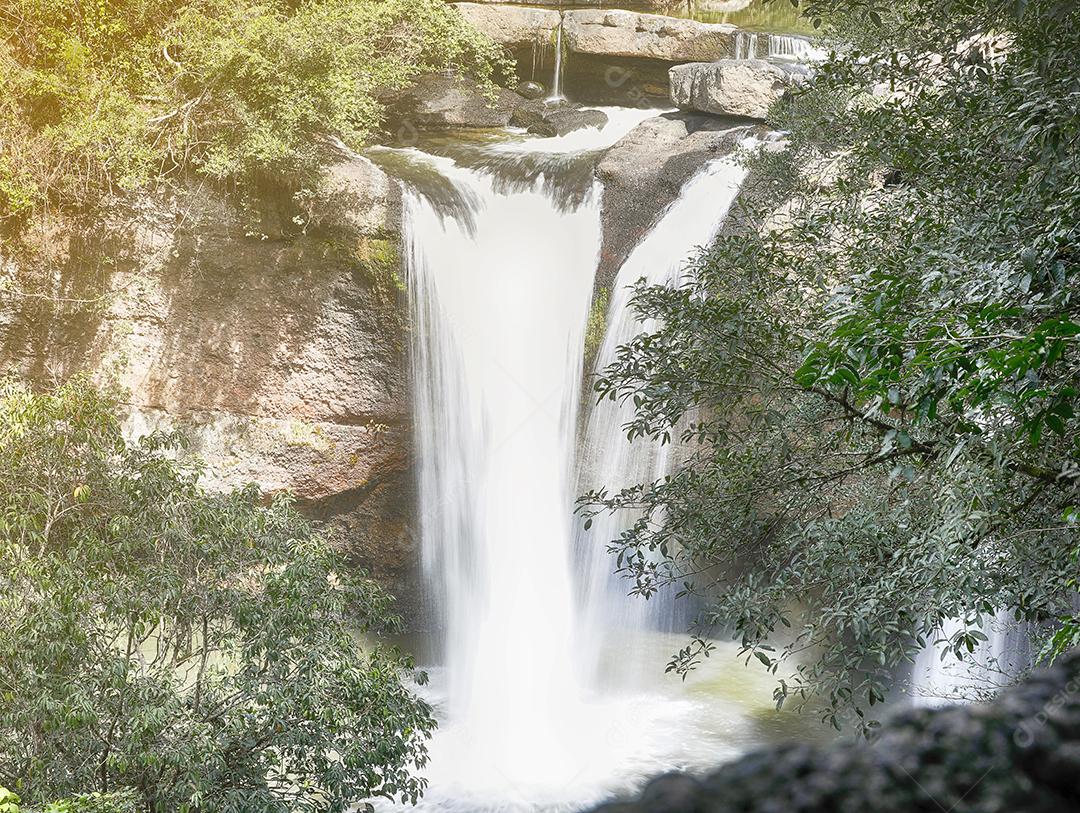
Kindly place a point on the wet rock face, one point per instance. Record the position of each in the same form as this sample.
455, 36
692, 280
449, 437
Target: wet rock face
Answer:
730, 87
279, 353
646, 170
1019, 754
530, 90
606, 33
567, 121
438, 102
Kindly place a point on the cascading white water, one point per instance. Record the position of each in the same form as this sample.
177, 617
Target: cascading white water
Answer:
500, 296
746, 45
939, 677
608, 460
780, 47
500, 320
501, 300
787, 47
557, 79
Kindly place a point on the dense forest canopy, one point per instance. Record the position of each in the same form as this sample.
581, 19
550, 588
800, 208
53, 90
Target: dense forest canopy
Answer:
877, 368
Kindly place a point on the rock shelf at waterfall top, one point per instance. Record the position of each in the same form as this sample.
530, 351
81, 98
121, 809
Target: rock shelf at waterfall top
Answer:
615, 33
623, 56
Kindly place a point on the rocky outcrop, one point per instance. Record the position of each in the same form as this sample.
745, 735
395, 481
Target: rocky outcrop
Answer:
730, 87
567, 121
277, 349
438, 101
1019, 754
628, 34
645, 171
512, 26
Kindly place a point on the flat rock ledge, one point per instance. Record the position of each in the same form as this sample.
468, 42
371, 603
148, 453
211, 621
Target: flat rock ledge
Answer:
512, 26
1019, 754
732, 87
629, 34
603, 33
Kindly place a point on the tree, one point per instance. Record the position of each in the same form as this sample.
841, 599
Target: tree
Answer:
875, 368
98, 99
205, 652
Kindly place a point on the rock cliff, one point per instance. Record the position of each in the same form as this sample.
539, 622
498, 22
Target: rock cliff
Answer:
277, 348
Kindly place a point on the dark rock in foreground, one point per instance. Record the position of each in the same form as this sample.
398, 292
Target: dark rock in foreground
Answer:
1019, 754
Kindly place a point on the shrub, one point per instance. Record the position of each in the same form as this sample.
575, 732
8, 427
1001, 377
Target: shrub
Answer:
102, 97
201, 650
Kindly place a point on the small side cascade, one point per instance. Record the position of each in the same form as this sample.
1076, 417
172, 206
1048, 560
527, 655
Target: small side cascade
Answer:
607, 459
557, 78
537, 56
746, 45
783, 46
780, 47
940, 678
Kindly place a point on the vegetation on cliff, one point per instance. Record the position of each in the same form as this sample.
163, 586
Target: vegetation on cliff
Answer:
878, 372
99, 98
177, 650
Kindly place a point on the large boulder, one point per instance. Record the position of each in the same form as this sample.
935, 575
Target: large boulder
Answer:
732, 87
645, 171
513, 26
567, 121
628, 34
556, 118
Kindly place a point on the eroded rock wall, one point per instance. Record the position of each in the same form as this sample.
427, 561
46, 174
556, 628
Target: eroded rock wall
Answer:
277, 347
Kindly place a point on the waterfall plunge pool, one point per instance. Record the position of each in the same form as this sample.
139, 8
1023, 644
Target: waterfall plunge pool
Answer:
637, 723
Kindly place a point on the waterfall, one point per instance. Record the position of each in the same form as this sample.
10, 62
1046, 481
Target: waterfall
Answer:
787, 47
557, 78
608, 460
500, 299
939, 677
538, 49
746, 45
500, 313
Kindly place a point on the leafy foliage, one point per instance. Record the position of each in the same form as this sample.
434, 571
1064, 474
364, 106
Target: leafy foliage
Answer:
876, 367
123, 801
197, 651
9, 802
102, 97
